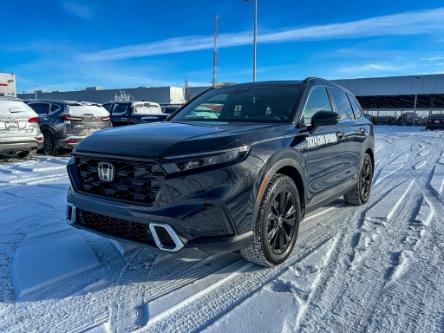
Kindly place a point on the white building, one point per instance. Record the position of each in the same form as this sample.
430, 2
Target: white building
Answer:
7, 85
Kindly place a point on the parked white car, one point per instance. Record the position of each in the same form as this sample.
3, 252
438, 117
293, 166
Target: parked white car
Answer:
20, 134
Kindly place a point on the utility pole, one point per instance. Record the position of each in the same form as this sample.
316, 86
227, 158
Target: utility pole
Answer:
254, 40
254, 37
214, 80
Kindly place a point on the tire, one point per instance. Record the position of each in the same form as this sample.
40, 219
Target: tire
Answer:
276, 227
28, 154
360, 193
49, 144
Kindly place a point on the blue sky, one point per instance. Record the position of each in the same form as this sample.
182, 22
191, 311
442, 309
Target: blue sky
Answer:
72, 44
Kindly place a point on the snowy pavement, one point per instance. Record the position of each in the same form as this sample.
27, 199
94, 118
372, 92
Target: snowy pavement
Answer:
374, 268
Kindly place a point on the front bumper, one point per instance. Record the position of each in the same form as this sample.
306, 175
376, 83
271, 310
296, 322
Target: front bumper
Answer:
181, 225
210, 210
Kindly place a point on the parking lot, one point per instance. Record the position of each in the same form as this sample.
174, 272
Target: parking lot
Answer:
379, 266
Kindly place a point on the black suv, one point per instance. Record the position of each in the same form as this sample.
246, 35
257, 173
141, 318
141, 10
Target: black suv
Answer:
237, 168
65, 123
131, 113
435, 121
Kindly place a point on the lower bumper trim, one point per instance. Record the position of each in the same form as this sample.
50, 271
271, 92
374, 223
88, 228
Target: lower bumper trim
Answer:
222, 244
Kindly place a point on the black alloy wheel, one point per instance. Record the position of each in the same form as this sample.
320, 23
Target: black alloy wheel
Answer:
365, 179
360, 193
277, 223
49, 146
282, 221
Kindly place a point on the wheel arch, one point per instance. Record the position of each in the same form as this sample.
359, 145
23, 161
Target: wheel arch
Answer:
294, 174
47, 128
290, 168
370, 152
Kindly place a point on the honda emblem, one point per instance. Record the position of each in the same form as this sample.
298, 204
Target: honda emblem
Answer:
106, 172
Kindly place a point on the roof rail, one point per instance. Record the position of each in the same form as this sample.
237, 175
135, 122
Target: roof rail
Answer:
313, 78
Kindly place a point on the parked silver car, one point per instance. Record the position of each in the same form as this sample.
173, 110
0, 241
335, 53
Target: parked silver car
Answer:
20, 133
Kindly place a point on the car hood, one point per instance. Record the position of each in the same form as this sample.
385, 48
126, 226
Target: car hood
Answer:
171, 138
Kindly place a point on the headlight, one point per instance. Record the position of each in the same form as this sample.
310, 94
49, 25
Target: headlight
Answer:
191, 162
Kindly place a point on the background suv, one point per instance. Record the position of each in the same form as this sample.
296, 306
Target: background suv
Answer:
435, 121
237, 168
130, 113
65, 123
19, 129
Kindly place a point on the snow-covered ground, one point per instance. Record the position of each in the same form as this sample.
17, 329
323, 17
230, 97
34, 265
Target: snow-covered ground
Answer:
379, 267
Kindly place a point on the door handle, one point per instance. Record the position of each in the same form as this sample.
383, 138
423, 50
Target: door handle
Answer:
340, 134
362, 130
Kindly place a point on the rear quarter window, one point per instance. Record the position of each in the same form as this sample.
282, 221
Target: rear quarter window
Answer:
357, 109
343, 106
55, 108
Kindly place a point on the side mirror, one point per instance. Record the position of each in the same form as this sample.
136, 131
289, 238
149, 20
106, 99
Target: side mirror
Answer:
324, 118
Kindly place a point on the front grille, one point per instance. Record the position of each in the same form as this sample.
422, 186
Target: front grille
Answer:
133, 231
137, 182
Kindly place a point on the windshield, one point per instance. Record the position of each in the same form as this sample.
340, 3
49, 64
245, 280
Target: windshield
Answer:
249, 103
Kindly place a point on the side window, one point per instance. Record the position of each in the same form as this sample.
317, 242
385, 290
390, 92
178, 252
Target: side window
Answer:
41, 108
120, 109
108, 107
317, 101
356, 107
343, 106
55, 108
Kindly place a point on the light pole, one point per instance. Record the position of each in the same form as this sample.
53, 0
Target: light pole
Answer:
254, 38
214, 80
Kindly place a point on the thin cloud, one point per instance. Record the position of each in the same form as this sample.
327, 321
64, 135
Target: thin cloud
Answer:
408, 23
369, 68
77, 9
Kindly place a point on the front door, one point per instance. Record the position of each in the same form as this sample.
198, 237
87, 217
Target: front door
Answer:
325, 149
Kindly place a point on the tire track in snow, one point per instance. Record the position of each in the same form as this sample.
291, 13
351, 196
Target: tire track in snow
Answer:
341, 304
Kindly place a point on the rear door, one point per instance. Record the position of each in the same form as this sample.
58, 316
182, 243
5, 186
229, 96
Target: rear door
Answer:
120, 114
355, 132
42, 109
325, 149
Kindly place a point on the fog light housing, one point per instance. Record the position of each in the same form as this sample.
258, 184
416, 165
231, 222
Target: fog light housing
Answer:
71, 214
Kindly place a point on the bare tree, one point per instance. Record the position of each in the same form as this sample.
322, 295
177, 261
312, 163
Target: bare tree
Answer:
123, 97
186, 90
